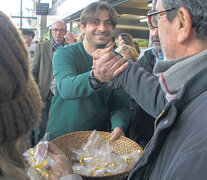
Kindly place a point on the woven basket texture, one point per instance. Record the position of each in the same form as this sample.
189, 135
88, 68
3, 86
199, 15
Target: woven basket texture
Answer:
121, 146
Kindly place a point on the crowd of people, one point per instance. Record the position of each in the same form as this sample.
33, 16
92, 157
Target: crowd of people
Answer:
156, 97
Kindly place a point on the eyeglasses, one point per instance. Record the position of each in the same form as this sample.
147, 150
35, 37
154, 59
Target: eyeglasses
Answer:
153, 17
56, 30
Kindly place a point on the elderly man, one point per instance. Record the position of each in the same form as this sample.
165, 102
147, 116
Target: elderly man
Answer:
178, 148
43, 72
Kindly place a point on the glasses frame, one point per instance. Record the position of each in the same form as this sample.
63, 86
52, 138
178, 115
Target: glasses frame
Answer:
153, 13
60, 30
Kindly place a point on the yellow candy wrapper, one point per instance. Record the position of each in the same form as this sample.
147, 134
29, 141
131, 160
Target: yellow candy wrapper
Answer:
38, 159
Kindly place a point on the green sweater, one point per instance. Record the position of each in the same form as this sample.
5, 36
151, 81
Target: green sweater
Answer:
78, 107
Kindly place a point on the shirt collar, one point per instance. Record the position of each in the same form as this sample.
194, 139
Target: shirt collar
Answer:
157, 58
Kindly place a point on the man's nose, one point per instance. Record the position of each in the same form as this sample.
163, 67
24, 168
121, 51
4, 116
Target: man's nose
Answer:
102, 26
58, 32
155, 31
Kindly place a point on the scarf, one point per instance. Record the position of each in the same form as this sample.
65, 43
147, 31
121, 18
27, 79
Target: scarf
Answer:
55, 46
173, 74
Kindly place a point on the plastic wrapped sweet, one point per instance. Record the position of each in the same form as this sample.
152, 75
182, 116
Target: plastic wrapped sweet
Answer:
96, 158
38, 159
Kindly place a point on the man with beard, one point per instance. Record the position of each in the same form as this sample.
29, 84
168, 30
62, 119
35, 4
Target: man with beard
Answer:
142, 124
81, 102
43, 72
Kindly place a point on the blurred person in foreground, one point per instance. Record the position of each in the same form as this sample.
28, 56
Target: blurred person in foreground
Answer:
20, 108
178, 148
79, 104
42, 71
142, 125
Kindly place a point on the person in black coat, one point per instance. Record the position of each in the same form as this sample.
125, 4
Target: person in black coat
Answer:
142, 124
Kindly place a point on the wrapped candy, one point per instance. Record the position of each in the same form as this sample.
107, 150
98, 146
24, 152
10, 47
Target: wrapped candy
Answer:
38, 159
96, 158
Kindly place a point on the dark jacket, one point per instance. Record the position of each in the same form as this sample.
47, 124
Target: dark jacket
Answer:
178, 149
142, 124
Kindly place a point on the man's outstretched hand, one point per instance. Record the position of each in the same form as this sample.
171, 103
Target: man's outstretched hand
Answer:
107, 65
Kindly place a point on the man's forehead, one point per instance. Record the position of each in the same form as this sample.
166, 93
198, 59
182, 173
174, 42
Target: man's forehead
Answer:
58, 24
100, 19
101, 13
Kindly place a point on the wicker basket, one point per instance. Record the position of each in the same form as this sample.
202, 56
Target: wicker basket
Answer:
75, 140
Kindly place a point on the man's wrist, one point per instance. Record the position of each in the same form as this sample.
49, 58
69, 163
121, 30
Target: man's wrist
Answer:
94, 82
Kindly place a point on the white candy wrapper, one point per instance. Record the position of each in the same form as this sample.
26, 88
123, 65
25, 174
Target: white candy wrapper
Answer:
37, 157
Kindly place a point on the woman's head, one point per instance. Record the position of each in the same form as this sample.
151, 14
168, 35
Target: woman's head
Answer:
128, 52
125, 38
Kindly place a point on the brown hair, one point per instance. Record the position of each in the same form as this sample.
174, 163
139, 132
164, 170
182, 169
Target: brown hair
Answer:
91, 12
128, 39
20, 102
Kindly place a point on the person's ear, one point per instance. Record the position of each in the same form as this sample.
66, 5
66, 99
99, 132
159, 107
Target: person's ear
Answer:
82, 27
184, 25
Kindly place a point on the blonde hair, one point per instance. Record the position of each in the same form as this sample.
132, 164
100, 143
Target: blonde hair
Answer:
129, 50
80, 38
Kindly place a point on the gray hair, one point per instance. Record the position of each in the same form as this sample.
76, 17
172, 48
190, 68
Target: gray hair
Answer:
60, 21
197, 9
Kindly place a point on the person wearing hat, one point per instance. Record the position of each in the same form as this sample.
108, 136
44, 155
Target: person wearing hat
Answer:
28, 35
20, 108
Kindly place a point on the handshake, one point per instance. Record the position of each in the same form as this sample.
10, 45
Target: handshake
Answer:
107, 64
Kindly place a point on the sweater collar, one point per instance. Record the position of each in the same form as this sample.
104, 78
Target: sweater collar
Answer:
55, 45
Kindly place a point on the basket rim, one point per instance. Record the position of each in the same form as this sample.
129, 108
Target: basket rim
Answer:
125, 174
103, 132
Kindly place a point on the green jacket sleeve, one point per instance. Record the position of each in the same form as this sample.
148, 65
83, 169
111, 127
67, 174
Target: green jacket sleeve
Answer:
70, 83
120, 113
